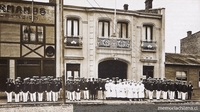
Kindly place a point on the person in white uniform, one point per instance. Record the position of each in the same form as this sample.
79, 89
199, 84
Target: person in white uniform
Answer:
112, 90
107, 89
141, 91
130, 92
135, 91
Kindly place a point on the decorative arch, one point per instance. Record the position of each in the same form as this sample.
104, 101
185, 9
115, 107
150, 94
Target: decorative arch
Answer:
104, 18
113, 67
148, 24
124, 20
73, 16
113, 58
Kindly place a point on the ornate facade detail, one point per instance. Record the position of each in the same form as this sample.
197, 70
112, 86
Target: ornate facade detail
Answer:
113, 42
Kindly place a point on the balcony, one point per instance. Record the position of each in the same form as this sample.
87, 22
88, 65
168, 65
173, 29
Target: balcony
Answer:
148, 46
113, 42
73, 42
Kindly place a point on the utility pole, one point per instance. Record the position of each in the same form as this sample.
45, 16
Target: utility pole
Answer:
62, 49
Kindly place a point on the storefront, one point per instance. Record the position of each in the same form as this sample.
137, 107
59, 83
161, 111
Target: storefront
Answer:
27, 39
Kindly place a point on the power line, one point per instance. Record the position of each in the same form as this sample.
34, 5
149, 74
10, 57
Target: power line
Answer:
136, 48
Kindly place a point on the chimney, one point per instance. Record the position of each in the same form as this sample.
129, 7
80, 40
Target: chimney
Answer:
189, 33
148, 5
125, 7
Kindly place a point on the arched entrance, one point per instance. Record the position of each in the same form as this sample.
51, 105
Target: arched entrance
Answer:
112, 68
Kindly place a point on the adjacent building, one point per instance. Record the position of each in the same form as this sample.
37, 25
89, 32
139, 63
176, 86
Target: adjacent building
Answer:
186, 65
183, 67
106, 43
27, 39
191, 43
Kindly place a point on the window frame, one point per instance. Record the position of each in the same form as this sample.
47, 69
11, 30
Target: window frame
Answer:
121, 29
37, 33
186, 72
146, 32
72, 27
103, 27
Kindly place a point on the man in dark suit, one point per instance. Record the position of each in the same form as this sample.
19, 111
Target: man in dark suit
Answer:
86, 89
40, 89
100, 88
164, 89
184, 90
32, 90
25, 86
93, 88
172, 90
9, 89
158, 89
190, 89
72, 90
78, 90
151, 89
49, 89
179, 90
176, 90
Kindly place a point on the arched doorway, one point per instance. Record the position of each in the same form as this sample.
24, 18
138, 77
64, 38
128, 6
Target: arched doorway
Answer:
112, 68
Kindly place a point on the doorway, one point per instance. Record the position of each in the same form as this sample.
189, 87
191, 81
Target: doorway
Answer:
112, 68
148, 71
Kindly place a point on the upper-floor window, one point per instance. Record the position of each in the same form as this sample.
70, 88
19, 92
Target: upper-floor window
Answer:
148, 32
72, 27
104, 28
31, 33
122, 30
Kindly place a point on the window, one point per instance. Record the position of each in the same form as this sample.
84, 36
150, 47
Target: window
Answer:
33, 34
72, 27
181, 75
73, 71
28, 68
104, 28
148, 32
122, 30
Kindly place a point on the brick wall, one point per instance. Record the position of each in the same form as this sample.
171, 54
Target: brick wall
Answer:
192, 75
190, 44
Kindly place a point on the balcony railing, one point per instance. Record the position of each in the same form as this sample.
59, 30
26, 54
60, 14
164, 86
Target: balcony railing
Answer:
113, 42
71, 41
149, 46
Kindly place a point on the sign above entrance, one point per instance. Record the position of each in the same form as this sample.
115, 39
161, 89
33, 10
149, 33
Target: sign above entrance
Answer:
27, 12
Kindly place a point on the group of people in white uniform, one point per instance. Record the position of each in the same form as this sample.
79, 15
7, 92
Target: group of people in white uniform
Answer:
124, 89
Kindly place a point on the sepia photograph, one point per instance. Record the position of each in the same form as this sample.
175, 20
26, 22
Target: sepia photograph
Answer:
99, 56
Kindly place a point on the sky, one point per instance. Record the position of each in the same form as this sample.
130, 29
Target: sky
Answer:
180, 16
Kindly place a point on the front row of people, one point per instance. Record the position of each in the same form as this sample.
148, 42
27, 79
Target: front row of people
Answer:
104, 89
33, 88
167, 88
83, 88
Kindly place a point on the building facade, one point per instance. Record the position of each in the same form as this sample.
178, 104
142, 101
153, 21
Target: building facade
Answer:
27, 39
102, 43
190, 44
